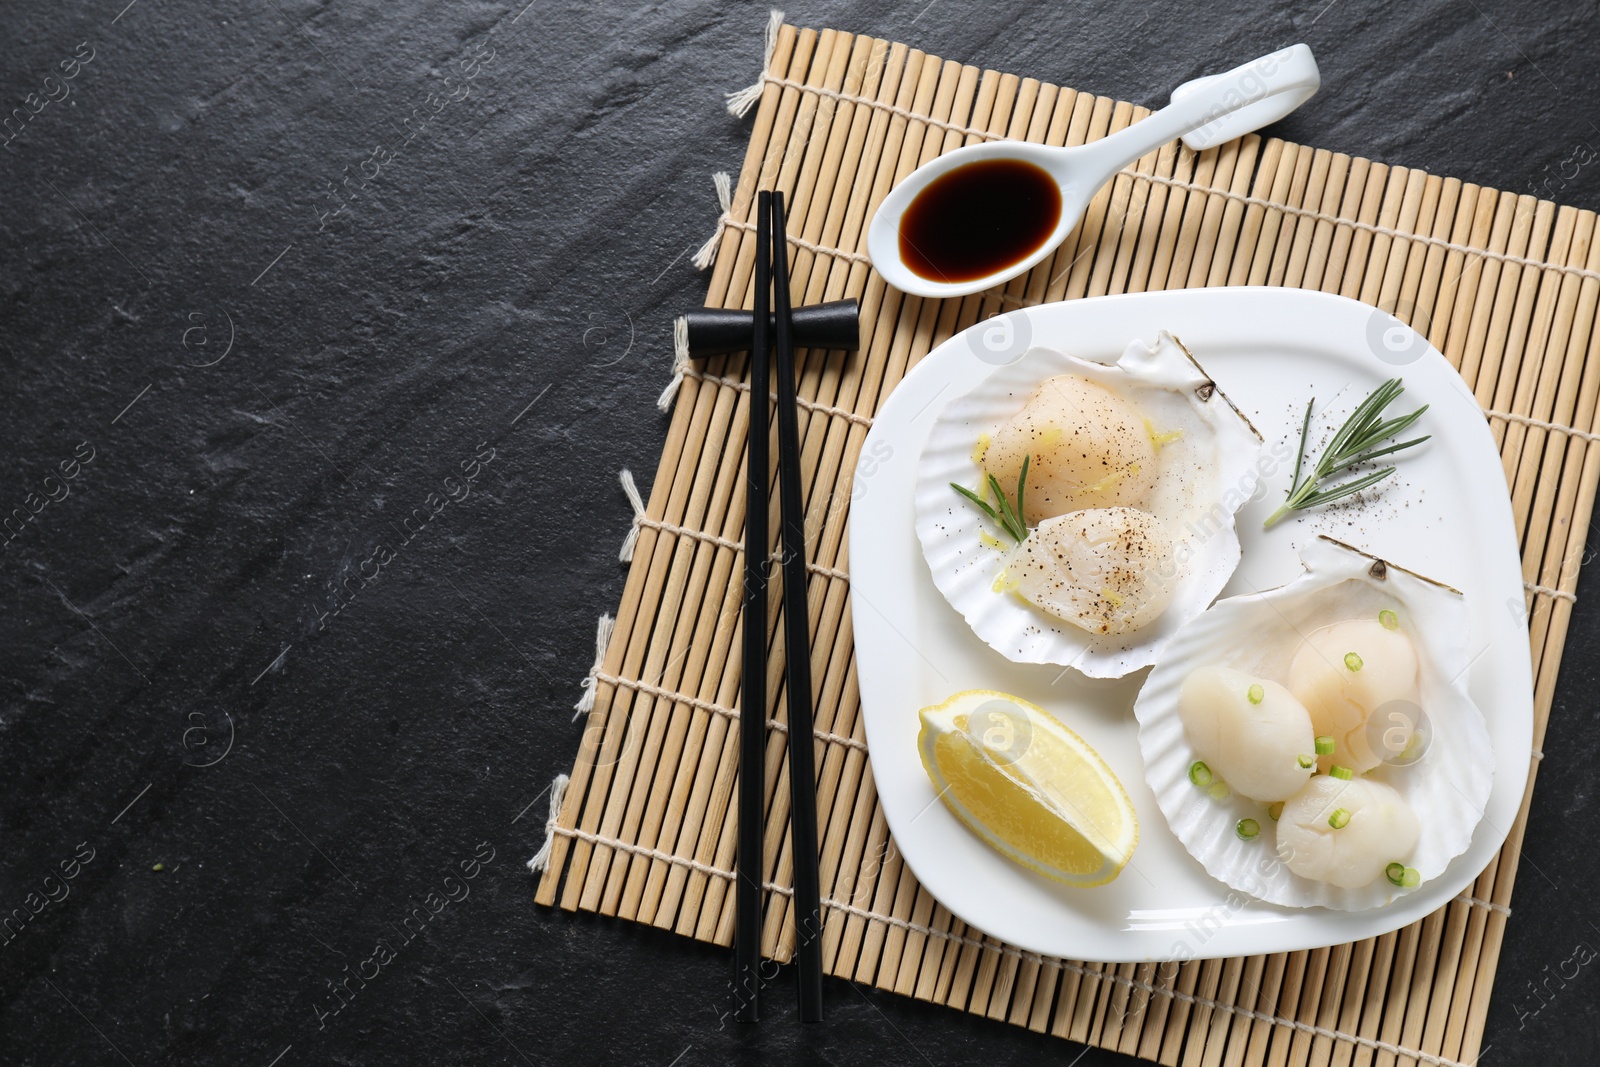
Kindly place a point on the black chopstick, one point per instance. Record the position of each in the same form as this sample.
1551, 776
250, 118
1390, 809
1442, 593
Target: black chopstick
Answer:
753, 671
796, 628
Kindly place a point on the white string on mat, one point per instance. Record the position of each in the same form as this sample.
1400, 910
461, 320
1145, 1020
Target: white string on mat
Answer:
708, 251
1545, 590
736, 546
631, 540
602, 638
680, 364
893, 109
799, 242
718, 709
984, 944
558, 792
640, 519
685, 531
741, 101
1529, 420
635, 501
1498, 909
810, 405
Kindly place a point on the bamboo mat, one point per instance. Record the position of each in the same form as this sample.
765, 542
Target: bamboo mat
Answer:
1504, 285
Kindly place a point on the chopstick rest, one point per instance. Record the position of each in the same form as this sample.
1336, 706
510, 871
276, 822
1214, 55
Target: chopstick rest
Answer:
719, 331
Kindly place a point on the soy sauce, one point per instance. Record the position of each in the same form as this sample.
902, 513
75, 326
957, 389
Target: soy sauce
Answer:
979, 219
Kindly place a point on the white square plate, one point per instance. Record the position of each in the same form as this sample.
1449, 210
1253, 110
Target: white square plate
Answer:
1445, 514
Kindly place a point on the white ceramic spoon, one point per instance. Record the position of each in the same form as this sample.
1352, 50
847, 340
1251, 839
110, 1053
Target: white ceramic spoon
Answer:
1204, 112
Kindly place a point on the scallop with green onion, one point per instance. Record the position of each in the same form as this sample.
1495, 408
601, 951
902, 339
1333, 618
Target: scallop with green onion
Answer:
1343, 673
1346, 833
1250, 731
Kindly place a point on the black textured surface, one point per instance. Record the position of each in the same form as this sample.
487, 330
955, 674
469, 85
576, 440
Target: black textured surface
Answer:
517, 235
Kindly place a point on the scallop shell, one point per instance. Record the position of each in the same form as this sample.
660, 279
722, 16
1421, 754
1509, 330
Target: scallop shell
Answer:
1448, 787
1206, 475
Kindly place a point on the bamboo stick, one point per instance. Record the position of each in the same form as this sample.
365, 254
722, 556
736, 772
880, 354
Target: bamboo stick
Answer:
1532, 388
1259, 229
1323, 1007
1261, 1030
1206, 1047
1187, 977
1249, 999
1295, 232
1207, 985
1331, 176
1325, 174
1379, 976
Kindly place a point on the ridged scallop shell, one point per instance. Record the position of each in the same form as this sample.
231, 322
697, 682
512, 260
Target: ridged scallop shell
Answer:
1258, 633
1206, 475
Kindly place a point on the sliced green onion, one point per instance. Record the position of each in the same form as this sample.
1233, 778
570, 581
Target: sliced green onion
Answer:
1219, 791
1390, 620
1200, 774
1352, 661
1247, 829
1324, 746
1275, 810
1340, 818
1307, 762
1403, 876
1255, 694
1344, 774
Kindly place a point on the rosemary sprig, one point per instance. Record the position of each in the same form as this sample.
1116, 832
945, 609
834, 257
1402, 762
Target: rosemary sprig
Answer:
1008, 518
1356, 442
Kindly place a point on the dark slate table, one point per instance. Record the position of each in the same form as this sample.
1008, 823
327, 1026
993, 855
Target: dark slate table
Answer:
271, 274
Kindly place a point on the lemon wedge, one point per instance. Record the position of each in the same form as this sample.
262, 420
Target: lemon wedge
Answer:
1030, 787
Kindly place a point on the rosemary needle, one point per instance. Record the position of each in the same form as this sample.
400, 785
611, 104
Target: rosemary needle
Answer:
1007, 517
1356, 442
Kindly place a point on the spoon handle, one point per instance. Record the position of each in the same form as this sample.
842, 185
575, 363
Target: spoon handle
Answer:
1210, 110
